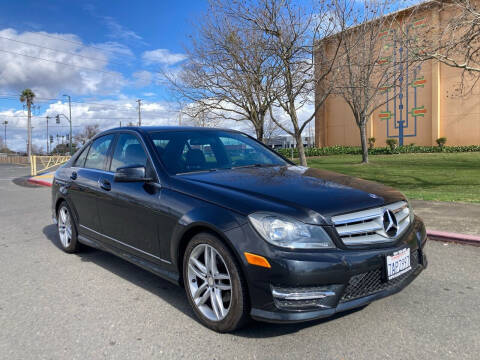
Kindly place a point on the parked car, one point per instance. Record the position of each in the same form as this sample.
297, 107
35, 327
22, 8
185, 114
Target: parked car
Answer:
246, 232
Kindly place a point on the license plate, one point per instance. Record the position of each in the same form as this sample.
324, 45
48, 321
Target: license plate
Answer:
398, 263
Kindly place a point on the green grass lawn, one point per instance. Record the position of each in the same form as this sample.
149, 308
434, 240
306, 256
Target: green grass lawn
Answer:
439, 177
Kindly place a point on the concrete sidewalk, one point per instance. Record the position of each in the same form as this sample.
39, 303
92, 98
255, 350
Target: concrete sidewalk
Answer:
453, 217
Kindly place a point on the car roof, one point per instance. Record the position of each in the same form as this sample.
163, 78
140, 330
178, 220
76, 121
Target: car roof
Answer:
168, 128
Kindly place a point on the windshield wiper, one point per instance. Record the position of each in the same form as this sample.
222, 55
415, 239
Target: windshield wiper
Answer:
197, 171
252, 165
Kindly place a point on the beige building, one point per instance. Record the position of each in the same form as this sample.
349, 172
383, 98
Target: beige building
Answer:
427, 106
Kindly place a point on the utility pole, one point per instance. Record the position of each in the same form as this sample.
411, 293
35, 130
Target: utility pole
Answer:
48, 138
139, 101
5, 133
70, 119
179, 118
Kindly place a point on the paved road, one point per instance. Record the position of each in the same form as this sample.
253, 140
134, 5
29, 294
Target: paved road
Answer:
93, 305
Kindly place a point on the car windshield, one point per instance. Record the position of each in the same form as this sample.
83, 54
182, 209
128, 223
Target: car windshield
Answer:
192, 151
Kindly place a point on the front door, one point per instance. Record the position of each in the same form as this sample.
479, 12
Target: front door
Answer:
131, 212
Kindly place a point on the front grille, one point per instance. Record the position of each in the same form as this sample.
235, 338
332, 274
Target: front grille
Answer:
367, 227
373, 281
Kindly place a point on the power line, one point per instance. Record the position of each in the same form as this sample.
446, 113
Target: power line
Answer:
66, 40
59, 62
61, 51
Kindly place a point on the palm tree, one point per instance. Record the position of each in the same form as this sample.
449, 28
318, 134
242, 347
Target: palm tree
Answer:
27, 97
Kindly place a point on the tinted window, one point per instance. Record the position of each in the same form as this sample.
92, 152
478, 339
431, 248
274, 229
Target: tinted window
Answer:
128, 152
81, 159
98, 153
188, 151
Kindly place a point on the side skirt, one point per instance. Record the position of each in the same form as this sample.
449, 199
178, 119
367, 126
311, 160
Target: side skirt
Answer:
154, 268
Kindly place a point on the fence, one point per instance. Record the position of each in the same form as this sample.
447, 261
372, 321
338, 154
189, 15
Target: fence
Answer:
42, 163
14, 159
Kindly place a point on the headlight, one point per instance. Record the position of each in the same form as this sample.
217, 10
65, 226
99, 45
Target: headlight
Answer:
289, 233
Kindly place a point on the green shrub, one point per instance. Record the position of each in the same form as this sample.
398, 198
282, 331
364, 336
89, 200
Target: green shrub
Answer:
441, 142
371, 142
392, 144
357, 150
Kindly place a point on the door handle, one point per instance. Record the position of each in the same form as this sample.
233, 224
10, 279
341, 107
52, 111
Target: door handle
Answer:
105, 184
74, 175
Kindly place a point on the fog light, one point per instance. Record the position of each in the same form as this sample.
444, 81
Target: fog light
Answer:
305, 298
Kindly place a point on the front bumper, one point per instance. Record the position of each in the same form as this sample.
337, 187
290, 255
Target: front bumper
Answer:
343, 278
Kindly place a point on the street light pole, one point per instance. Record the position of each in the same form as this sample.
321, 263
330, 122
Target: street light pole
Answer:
5, 133
57, 119
48, 138
70, 119
139, 101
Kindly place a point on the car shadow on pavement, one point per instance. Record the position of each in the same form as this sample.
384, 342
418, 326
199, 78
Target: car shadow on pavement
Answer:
175, 295
169, 292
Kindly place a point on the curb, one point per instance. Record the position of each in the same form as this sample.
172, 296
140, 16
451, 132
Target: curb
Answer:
453, 237
39, 182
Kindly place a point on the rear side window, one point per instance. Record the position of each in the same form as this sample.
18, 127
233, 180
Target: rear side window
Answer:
98, 153
81, 159
128, 152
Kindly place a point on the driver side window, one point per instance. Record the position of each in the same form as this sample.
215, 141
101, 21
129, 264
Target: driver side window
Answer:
98, 152
128, 152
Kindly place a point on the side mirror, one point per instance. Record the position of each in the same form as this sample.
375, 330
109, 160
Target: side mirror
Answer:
131, 174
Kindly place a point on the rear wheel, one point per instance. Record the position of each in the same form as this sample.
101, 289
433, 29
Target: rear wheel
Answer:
214, 284
67, 231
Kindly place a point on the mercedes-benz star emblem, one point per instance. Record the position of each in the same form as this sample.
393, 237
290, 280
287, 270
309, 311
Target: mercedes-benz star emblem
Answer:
390, 224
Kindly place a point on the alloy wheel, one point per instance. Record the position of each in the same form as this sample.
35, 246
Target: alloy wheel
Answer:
65, 226
209, 282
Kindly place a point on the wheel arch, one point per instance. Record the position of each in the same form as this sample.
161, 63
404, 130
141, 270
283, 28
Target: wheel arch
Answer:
195, 229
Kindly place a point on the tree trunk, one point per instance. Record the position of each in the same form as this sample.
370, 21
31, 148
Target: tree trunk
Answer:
301, 150
363, 139
259, 133
29, 131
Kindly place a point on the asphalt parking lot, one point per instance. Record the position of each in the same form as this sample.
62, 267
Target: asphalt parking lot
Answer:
93, 305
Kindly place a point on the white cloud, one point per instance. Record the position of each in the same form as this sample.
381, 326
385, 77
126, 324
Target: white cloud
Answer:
162, 56
142, 78
84, 74
118, 31
106, 113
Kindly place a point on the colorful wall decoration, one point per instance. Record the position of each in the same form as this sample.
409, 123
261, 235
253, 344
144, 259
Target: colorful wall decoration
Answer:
402, 110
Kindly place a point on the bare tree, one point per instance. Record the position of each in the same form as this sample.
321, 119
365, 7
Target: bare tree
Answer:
201, 115
367, 67
228, 72
272, 129
291, 31
454, 39
88, 132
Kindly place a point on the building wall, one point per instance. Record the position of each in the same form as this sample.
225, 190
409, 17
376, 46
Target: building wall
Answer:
429, 107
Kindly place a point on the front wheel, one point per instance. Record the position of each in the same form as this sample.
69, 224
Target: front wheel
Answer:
214, 285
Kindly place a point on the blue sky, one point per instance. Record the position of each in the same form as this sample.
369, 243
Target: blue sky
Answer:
113, 51
104, 54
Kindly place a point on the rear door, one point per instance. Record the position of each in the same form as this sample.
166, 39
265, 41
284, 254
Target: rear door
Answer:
85, 188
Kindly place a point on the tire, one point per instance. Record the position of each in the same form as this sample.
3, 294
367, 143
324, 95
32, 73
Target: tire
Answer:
67, 229
216, 307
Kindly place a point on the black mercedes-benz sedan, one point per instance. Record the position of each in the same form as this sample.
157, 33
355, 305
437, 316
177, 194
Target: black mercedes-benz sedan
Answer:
246, 232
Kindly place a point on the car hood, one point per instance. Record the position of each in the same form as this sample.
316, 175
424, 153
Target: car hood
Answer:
294, 190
